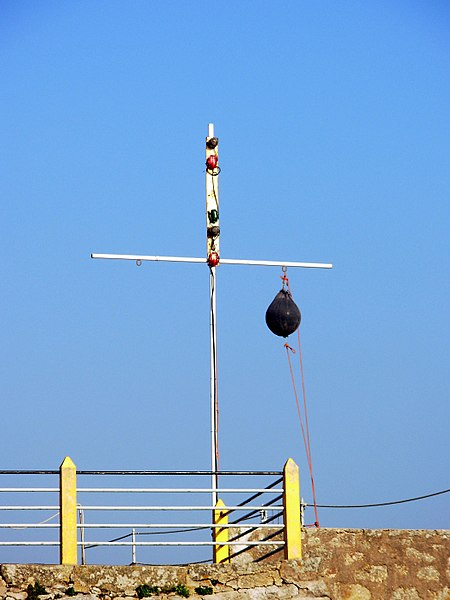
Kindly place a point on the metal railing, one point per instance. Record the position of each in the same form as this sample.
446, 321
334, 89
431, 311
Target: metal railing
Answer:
90, 517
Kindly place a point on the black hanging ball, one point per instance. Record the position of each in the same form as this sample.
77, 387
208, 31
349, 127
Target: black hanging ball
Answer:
283, 315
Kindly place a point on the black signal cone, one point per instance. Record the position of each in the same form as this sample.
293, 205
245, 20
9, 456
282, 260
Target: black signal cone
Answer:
283, 315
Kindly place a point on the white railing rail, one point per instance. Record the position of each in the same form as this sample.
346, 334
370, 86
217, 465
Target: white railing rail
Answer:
93, 522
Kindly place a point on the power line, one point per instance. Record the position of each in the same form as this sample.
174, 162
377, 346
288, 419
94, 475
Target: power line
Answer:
380, 503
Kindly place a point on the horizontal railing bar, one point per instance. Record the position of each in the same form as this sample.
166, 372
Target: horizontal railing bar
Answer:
26, 472
136, 525
152, 490
180, 490
29, 543
219, 473
145, 543
28, 525
29, 472
29, 507
168, 525
15, 490
137, 508
89, 543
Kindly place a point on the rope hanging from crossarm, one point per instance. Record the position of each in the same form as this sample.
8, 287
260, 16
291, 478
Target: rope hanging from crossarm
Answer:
283, 318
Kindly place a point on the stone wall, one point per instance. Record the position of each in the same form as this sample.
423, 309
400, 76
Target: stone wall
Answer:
338, 564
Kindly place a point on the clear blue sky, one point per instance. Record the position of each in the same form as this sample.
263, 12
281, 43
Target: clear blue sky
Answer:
333, 120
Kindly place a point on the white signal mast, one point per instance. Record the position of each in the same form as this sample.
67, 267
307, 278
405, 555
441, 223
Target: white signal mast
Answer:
213, 260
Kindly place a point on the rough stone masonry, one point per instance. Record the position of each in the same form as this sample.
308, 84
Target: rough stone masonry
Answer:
338, 564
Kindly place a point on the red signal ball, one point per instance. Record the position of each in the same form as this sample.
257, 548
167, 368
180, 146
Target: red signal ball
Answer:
213, 259
212, 162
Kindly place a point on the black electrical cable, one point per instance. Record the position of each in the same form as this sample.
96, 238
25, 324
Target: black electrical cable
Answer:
172, 531
305, 505
381, 503
416, 498
122, 537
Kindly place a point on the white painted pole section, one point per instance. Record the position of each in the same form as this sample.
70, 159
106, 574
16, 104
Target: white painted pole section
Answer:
223, 261
212, 194
213, 385
212, 245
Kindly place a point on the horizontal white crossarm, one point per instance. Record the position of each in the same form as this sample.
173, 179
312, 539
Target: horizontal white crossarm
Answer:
152, 258
223, 261
275, 263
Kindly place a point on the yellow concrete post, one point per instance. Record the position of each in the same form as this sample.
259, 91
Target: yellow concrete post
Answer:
221, 554
68, 512
292, 524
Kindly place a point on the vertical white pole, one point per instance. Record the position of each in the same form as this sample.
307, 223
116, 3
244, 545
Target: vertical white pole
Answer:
212, 245
213, 384
133, 547
83, 548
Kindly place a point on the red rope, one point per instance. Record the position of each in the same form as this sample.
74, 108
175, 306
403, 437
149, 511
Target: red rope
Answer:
296, 398
304, 424
305, 407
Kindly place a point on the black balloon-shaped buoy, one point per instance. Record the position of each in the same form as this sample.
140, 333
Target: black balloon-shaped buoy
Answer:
283, 315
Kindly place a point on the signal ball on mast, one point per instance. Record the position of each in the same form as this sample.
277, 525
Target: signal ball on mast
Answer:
283, 315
